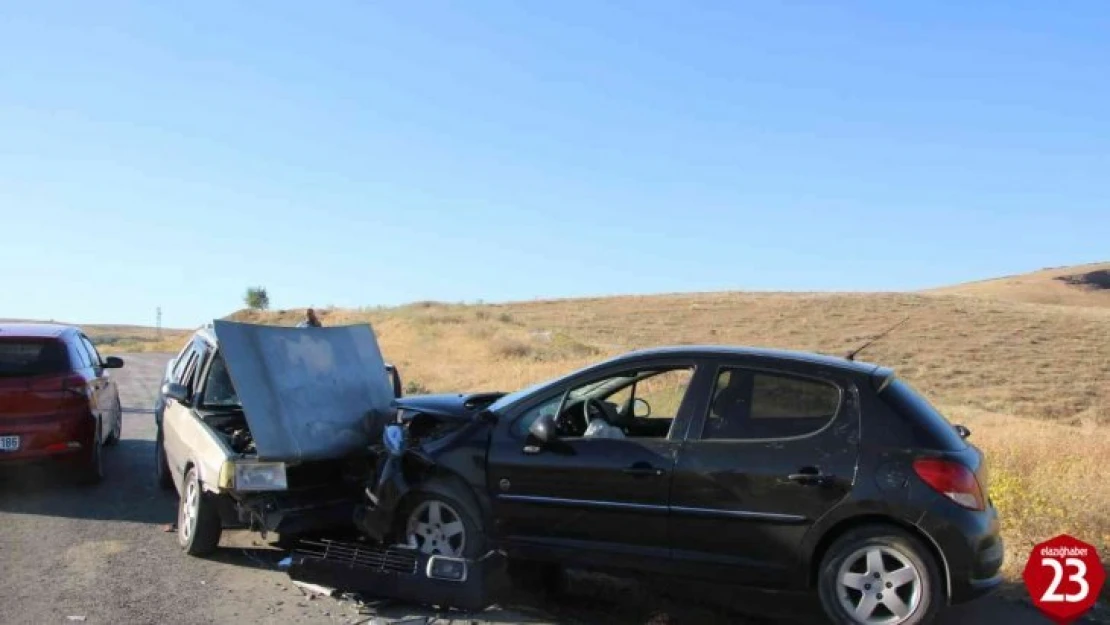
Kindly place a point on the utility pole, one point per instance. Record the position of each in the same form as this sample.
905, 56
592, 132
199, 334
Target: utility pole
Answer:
159, 326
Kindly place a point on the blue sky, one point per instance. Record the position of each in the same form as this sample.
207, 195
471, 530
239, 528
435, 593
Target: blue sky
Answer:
365, 153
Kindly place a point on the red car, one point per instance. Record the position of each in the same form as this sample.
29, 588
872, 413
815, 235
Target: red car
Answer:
57, 401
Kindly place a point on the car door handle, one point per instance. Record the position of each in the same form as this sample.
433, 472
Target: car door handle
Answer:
643, 469
811, 476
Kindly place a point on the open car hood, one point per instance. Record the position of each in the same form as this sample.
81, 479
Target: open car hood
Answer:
307, 393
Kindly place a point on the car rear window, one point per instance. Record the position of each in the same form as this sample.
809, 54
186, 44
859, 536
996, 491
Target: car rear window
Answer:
937, 432
23, 357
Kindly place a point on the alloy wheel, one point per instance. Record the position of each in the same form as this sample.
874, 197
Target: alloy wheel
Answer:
435, 528
879, 585
189, 508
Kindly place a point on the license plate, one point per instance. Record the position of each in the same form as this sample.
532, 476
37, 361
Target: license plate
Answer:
9, 443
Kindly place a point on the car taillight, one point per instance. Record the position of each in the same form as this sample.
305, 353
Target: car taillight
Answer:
70, 383
951, 479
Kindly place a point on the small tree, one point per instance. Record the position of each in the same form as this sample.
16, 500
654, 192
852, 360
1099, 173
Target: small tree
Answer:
257, 298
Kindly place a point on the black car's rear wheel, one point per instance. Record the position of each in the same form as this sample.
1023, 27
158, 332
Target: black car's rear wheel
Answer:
880, 575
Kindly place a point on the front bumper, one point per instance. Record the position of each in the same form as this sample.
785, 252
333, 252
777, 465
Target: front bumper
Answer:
397, 573
290, 513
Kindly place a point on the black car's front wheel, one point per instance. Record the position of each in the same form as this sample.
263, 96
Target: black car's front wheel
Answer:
880, 575
440, 520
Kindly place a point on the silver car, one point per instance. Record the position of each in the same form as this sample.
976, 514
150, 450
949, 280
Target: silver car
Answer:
267, 427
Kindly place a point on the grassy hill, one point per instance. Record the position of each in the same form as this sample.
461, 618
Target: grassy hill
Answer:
1079, 285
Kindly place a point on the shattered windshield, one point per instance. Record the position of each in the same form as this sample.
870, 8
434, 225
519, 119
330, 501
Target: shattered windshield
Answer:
219, 392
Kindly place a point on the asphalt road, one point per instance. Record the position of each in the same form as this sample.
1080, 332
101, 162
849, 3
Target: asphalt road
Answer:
100, 555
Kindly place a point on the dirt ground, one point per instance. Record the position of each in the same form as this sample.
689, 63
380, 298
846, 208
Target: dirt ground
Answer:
101, 555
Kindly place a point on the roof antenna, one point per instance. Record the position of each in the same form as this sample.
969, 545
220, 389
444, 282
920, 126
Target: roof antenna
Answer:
852, 355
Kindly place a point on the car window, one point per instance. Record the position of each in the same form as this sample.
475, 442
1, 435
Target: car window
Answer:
761, 405
521, 426
636, 403
181, 365
189, 369
31, 356
662, 393
218, 389
94, 356
78, 351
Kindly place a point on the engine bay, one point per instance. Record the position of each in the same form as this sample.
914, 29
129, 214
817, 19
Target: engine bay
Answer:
232, 428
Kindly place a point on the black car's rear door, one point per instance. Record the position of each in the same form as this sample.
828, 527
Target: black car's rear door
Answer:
772, 450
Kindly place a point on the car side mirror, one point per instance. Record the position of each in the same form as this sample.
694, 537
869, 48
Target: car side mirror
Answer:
543, 428
640, 408
176, 392
113, 362
962, 431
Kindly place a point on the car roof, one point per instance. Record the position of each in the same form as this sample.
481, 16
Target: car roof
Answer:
742, 351
35, 330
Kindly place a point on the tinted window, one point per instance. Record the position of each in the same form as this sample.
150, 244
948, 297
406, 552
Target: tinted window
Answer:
758, 405
936, 431
20, 357
78, 356
94, 356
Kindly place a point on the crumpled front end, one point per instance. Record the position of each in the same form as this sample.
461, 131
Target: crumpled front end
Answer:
410, 453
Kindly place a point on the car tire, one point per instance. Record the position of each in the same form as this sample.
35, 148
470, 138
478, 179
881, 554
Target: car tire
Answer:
92, 471
162, 475
880, 572
428, 518
116, 433
198, 522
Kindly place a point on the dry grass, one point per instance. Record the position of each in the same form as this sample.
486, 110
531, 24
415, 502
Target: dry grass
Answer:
118, 339
1043, 480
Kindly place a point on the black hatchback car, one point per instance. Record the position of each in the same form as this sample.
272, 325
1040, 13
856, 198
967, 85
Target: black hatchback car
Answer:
767, 468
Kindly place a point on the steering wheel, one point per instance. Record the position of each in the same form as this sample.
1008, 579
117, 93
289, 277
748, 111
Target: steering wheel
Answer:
599, 409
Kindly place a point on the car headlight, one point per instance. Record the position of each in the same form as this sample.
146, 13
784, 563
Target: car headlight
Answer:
253, 476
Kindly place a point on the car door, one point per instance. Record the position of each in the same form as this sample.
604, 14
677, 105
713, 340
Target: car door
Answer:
773, 449
177, 420
585, 499
100, 386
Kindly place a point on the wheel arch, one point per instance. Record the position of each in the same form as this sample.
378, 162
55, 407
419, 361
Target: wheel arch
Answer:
848, 524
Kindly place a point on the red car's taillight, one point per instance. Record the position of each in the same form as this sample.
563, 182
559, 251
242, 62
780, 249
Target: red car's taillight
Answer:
951, 479
71, 388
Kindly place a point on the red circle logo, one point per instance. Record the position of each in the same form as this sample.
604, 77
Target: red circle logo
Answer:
1064, 577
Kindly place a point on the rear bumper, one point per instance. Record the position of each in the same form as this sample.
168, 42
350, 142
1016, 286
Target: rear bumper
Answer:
972, 548
48, 437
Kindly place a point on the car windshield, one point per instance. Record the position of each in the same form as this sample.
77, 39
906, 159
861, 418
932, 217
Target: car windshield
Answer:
219, 392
